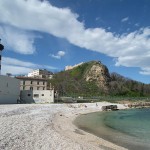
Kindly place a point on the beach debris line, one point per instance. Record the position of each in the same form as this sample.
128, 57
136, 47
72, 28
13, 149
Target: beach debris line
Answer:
139, 105
109, 107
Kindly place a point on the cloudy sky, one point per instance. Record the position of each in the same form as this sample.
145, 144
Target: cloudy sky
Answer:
51, 34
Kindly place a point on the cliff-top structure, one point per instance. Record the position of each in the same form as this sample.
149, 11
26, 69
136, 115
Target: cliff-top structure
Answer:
71, 67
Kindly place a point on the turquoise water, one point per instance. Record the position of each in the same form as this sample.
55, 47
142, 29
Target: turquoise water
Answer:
127, 128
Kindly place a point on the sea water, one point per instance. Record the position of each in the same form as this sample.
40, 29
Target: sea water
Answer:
127, 128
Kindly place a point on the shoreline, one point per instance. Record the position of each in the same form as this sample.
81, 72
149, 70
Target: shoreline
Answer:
80, 136
49, 126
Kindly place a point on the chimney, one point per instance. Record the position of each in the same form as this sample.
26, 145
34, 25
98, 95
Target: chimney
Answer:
1, 48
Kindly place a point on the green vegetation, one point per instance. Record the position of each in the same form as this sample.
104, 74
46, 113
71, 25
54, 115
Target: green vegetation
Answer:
121, 86
72, 83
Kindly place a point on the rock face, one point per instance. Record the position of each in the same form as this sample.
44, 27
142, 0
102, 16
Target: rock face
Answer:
99, 74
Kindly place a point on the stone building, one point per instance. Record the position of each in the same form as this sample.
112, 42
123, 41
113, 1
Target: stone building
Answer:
30, 83
34, 90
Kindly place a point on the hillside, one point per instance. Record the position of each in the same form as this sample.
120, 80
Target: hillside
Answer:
93, 79
120, 85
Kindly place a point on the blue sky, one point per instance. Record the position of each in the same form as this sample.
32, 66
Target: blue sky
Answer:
55, 33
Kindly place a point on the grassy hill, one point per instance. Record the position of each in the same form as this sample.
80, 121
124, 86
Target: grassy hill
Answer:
93, 79
72, 82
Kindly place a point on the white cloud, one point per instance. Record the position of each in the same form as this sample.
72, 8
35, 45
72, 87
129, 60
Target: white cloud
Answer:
125, 19
59, 55
145, 71
15, 66
131, 50
39, 15
137, 24
17, 40
15, 70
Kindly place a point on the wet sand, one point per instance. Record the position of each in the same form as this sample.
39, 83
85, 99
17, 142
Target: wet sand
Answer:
64, 125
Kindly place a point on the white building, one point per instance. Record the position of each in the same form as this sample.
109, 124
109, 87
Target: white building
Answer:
9, 90
71, 67
37, 96
41, 73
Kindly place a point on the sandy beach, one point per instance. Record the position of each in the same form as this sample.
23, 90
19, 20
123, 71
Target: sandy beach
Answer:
49, 127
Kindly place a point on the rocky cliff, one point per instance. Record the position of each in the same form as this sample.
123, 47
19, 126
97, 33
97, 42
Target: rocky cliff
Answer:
99, 74
90, 78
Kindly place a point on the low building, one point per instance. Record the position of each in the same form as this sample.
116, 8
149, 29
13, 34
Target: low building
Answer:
41, 73
71, 67
37, 96
30, 83
34, 90
9, 90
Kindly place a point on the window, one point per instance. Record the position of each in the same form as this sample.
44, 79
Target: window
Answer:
29, 94
31, 88
38, 83
42, 94
31, 82
36, 95
43, 88
37, 88
23, 87
43, 83
23, 82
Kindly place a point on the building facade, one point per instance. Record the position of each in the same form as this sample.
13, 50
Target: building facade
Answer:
41, 73
9, 90
37, 96
30, 83
34, 90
